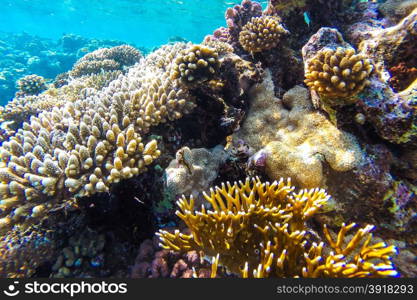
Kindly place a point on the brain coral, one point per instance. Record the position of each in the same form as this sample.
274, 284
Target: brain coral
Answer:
85, 146
261, 33
195, 64
296, 138
338, 73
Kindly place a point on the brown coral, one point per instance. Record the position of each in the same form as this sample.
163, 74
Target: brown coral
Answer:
195, 64
106, 59
339, 73
261, 33
85, 146
259, 230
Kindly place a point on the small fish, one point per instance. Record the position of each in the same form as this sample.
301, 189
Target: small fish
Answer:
307, 18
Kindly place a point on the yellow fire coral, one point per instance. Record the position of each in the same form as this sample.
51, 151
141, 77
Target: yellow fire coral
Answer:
195, 64
85, 146
339, 73
259, 230
261, 33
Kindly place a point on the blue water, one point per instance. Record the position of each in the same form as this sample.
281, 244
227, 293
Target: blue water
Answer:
146, 23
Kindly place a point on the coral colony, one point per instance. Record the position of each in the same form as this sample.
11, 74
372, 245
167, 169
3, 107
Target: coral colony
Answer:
279, 146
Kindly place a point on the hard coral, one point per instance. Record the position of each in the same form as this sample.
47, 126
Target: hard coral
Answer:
339, 73
31, 85
106, 59
82, 148
154, 262
21, 253
259, 230
261, 33
296, 138
195, 64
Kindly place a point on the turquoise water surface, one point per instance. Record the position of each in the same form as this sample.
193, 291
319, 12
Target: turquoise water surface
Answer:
146, 23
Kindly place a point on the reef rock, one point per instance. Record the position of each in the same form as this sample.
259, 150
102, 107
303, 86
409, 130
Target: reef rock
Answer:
193, 171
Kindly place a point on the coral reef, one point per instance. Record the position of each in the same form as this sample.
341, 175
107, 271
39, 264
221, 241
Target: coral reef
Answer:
395, 10
21, 253
85, 146
259, 230
154, 262
31, 85
195, 64
338, 73
106, 59
296, 139
261, 33
84, 251
236, 17
193, 171
24, 54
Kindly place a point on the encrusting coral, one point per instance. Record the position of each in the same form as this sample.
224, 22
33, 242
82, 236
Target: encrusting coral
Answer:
295, 138
339, 73
195, 64
31, 85
85, 146
261, 33
258, 229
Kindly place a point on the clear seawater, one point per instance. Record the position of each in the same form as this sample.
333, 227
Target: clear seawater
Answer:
145, 23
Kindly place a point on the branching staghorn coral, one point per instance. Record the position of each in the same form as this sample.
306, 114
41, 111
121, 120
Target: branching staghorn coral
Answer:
259, 230
261, 33
106, 59
195, 64
85, 146
339, 73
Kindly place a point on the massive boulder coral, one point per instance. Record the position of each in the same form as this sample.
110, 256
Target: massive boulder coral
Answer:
82, 148
261, 33
259, 229
296, 139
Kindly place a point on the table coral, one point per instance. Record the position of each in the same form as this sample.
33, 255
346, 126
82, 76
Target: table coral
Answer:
82, 148
261, 33
296, 138
259, 229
